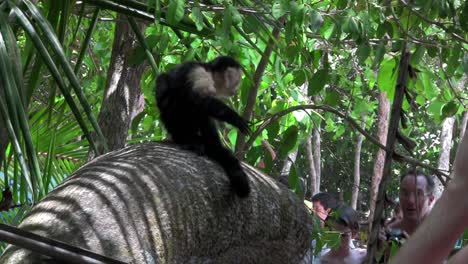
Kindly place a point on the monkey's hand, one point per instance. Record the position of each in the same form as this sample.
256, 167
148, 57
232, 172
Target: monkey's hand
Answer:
217, 109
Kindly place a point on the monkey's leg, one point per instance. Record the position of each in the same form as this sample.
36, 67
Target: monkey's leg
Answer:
225, 158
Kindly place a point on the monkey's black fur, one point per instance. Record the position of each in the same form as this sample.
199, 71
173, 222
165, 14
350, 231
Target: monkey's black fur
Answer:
188, 116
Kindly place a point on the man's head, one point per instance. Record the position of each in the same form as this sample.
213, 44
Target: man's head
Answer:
323, 203
345, 220
416, 195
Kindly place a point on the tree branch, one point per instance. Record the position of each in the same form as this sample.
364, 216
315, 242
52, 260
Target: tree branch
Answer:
391, 140
439, 24
59, 251
248, 112
396, 156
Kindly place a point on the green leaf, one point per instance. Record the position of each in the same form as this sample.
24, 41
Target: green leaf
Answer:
465, 64
278, 72
379, 55
236, 16
152, 40
227, 24
273, 130
387, 77
464, 16
454, 60
332, 98
175, 11
293, 178
250, 24
317, 82
292, 52
278, 10
417, 55
339, 132
432, 51
197, 18
342, 4
435, 108
363, 52
449, 109
289, 141
316, 20
327, 29
299, 77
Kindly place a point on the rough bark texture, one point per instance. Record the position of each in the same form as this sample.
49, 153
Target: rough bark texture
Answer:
444, 154
382, 129
290, 159
123, 98
463, 125
312, 170
154, 203
357, 165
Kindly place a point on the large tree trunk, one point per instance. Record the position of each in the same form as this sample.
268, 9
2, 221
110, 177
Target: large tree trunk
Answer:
382, 129
123, 98
155, 203
357, 165
446, 142
444, 154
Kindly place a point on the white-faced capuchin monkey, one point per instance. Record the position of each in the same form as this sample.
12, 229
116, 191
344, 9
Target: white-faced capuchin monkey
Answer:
187, 97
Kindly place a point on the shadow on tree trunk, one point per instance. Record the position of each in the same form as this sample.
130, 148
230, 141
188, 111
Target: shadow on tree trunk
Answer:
153, 203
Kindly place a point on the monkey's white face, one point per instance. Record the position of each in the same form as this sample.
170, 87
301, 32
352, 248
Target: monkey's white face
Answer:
227, 82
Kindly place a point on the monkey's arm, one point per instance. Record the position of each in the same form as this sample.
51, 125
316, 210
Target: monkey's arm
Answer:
217, 109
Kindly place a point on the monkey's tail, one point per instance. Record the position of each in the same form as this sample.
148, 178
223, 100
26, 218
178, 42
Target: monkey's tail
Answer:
231, 165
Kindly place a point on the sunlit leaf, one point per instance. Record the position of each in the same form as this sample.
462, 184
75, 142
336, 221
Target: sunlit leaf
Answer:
289, 140
387, 77
278, 10
318, 81
316, 20
175, 11
449, 109
197, 17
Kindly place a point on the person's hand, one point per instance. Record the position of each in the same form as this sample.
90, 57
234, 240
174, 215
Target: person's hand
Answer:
460, 168
458, 187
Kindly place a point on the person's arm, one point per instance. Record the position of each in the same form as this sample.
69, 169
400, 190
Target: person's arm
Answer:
436, 237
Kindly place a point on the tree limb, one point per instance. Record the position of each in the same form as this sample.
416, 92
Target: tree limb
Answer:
398, 157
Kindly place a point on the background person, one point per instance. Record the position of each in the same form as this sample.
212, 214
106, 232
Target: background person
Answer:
345, 220
322, 204
416, 197
432, 242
